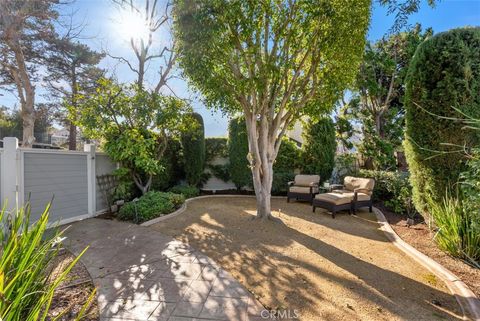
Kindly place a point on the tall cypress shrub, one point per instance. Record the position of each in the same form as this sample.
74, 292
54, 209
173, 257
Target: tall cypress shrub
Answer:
193, 142
444, 76
319, 148
240, 172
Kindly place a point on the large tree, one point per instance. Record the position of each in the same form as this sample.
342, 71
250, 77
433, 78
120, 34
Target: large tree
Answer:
72, 67
272, 60
153, 45
25, 29
134, 125
379, 94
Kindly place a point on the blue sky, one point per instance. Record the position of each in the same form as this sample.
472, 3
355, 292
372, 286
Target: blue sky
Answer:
102, 31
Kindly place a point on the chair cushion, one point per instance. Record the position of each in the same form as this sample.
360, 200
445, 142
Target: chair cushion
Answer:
342, 197
334, 198
302, 189
305, 180
351, 183
351, 195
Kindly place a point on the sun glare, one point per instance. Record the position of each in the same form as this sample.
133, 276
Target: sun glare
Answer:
132, 25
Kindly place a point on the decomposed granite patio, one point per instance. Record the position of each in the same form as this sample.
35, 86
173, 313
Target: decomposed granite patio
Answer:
144, 275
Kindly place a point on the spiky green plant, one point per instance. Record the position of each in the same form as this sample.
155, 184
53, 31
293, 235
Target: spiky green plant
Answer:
26, 252
458, 228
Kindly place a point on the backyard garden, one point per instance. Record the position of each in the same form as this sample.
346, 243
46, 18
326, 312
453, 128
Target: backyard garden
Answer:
372, 212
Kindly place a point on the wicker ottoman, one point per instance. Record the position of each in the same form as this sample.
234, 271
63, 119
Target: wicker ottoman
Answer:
333, 202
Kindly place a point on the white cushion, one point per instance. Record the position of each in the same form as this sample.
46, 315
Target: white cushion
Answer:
306, 180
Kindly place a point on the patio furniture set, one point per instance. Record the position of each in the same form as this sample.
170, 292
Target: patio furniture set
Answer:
353, 194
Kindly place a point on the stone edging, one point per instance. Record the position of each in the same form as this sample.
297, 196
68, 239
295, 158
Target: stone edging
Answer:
184, 207
465, 297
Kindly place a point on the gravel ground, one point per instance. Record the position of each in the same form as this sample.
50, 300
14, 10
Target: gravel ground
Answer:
324, 268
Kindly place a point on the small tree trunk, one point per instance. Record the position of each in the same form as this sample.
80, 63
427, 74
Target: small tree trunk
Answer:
143, 187
72, 134
72, 142
28, 120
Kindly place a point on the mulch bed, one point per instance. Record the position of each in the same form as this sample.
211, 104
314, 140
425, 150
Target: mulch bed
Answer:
73, 293
421, 238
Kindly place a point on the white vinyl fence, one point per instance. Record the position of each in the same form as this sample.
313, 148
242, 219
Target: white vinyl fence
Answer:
41, 175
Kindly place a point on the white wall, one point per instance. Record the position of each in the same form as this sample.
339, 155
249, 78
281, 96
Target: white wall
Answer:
215, 183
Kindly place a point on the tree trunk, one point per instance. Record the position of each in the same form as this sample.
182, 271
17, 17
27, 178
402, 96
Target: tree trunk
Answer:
261, 156
26, 92
144, 187
28, 119
263, 195
72, 134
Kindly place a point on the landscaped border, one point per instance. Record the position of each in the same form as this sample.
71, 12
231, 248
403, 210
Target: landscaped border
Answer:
464, 296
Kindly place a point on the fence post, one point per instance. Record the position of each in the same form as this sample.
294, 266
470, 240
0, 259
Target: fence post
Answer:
91, 178
10, 188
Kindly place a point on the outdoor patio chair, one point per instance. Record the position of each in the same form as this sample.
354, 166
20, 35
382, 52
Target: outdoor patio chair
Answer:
304, 187
354, 193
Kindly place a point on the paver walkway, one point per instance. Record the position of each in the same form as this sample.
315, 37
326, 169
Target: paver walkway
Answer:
144, 275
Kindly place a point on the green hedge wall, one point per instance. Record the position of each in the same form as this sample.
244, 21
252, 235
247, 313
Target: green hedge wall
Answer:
172, 163
193, 142
239, 169
319, 148
215, 147
444, 75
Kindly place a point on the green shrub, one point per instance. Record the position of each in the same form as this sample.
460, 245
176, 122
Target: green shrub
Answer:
27, 252
173, 167
280, 182
221, 171
288, 157
187, 191
193, 142
319, 148
286, 163
215, 147
470, 182
239, 169
443, 82
149, 206
394, 189
458, 228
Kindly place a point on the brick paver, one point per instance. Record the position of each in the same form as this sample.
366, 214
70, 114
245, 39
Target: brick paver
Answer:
143, 275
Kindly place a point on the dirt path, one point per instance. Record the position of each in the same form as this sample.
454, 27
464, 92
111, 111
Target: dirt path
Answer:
326, 269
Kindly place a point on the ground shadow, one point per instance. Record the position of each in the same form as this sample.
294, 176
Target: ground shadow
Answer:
300, 265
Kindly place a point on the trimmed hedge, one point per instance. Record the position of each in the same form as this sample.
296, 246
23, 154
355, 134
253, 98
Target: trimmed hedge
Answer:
193, 142
444, 75
215, 147
149, 206
239, 169
319, 148
173, 167
288, 157
186, 190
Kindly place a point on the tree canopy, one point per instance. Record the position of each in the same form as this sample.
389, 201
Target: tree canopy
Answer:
134, 124
273, 60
